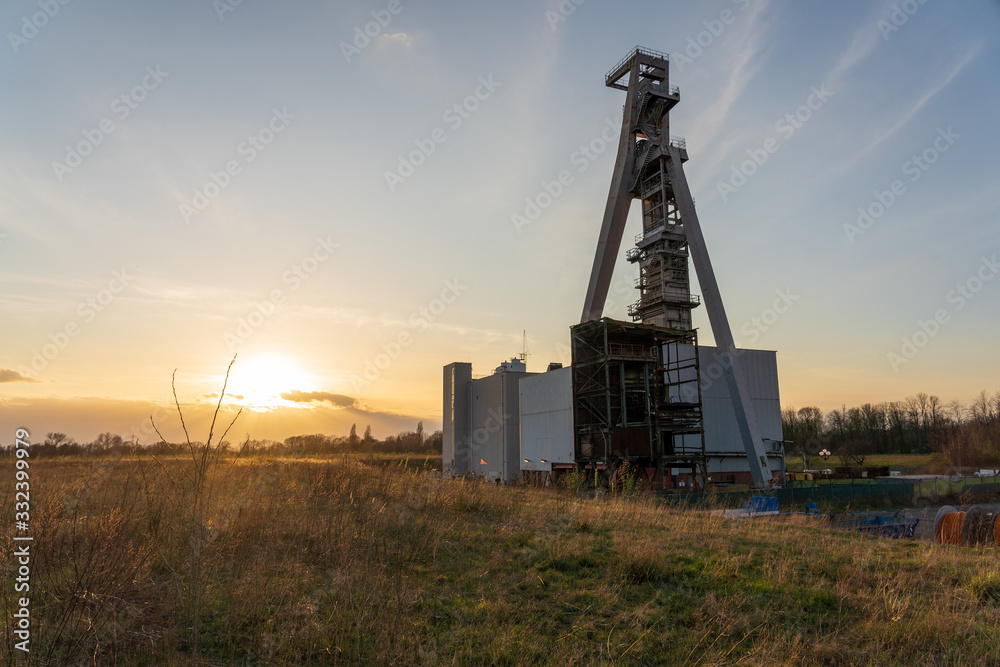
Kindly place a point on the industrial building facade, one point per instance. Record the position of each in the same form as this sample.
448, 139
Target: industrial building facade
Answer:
481, 434
512, 424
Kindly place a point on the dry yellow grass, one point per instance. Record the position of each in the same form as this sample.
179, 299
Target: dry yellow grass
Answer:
320, 562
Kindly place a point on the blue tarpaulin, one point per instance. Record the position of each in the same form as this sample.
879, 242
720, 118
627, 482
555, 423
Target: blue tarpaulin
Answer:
763, 504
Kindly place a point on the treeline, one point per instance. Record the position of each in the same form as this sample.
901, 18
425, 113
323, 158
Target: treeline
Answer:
409, 441
969, 435
110, 444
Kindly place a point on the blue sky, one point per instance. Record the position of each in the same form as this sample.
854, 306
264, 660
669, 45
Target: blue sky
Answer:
378, 300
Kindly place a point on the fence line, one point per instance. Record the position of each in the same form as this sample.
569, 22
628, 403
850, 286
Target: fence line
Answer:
901, 492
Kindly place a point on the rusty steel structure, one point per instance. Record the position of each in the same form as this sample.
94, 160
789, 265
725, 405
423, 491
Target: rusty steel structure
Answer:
637, 401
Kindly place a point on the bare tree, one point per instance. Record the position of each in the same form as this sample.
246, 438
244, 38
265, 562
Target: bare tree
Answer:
192, 498
55, 439
934, 409
957, 411
980, 407
853, 452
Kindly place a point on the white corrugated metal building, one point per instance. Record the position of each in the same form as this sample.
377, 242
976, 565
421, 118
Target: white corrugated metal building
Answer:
723, 444
546, 406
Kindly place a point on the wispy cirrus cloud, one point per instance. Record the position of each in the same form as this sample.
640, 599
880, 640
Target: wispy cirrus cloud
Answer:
912, 108
863, 43
396, 39
740, 64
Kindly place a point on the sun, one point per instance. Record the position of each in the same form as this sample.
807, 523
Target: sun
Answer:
258, 381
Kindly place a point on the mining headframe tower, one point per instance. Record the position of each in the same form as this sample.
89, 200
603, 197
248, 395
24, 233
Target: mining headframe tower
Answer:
649, 167
642, 401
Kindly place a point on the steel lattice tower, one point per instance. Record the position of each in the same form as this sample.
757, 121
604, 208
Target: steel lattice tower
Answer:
649, 168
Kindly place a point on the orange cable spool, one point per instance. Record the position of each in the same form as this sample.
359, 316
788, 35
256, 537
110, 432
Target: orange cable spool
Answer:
941, 514
951, 528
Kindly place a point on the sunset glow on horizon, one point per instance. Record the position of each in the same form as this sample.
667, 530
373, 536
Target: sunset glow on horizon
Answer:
348, 215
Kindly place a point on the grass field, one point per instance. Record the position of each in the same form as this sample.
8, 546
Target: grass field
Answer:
906, 463
320, 562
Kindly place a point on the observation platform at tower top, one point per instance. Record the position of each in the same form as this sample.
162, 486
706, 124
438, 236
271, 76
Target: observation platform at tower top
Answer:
652, 63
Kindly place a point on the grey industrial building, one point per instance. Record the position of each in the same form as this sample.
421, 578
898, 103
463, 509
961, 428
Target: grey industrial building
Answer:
512, 422
481, 434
